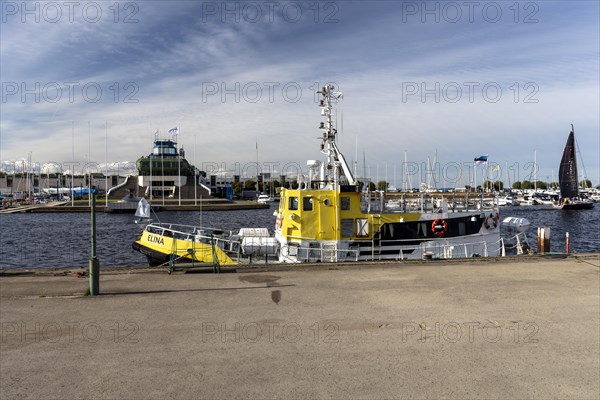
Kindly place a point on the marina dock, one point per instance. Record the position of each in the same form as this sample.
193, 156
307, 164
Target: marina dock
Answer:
488, 328
207, 205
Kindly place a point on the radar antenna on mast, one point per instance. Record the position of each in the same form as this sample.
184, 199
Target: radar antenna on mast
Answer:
335, 159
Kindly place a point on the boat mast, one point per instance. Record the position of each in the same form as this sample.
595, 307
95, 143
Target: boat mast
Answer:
257, 169
584, 185
335, 159
535, 170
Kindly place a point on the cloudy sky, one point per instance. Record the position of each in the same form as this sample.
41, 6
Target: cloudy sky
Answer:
456, 79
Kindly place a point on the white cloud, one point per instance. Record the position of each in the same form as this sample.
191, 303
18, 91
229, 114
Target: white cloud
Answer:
171, 52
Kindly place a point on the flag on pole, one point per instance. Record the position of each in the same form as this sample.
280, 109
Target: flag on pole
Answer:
174, 131
481, 159
496, 168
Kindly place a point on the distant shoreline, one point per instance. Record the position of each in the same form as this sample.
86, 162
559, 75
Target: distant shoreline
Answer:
201, 206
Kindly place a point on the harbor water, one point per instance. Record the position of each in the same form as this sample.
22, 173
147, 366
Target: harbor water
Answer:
58, 240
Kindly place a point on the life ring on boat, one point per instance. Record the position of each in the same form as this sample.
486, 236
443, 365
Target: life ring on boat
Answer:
439, 227
278, 221
491, 222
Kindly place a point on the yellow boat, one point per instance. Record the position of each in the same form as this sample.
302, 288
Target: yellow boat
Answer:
330, 219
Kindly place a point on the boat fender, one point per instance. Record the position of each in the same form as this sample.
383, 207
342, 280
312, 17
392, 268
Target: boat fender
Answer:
439, 227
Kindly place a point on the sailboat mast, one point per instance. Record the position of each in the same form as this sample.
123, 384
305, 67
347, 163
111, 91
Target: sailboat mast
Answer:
257, 169
535, 170
585, 180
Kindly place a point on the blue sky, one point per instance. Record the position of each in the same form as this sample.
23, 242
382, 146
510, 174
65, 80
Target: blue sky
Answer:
230, 74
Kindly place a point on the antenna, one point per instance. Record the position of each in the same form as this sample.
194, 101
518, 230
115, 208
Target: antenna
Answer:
335, 159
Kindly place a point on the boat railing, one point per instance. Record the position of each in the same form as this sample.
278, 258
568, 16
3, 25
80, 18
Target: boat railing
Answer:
434, 202
325, 252
515, 245
246, 250
322, 252
181, 231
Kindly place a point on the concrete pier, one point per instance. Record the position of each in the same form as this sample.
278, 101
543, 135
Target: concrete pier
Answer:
488, 328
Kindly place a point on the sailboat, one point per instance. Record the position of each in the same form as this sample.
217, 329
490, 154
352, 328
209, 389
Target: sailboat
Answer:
142, 213
570, 198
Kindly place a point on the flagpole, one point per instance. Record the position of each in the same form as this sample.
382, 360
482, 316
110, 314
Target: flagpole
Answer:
475, 175
487, 172
405, 174
179, 167
151, 162
88, 166
195, 175
73, 165
106, 165
162, 166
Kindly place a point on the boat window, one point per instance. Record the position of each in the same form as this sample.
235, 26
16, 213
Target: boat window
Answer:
307, 203
345, 203
180, 236
293, 203
421, 229
347, 228
462, 229
362, 227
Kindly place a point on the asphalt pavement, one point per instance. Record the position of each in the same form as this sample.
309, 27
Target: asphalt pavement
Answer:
505, 329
